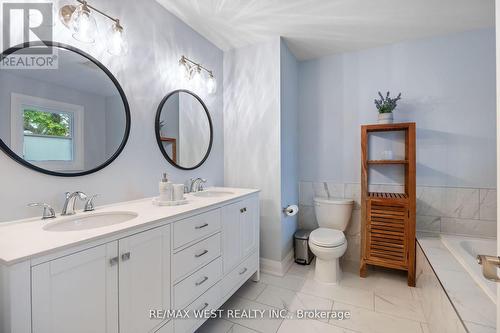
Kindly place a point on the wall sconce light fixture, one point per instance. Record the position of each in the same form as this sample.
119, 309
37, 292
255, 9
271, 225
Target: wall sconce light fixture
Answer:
80, 21
193, 72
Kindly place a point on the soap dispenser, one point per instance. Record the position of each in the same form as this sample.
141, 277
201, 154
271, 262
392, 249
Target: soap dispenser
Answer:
166, 189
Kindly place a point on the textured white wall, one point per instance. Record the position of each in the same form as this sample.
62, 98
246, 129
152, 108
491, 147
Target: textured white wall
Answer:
147, 73
252, 132
448, 87
289, 144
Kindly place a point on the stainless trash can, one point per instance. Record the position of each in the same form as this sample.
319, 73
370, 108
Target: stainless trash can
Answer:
303, 254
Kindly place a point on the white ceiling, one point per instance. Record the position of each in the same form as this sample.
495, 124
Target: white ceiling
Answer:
314, 28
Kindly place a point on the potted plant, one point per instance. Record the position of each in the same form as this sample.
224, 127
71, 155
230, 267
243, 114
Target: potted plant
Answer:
385, 106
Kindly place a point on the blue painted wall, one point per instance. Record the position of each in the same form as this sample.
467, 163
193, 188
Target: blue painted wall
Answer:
448, 87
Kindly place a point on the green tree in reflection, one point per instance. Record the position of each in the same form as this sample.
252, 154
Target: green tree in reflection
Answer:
46, 123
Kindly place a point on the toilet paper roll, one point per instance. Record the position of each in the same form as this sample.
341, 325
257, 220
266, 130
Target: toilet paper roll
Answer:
291, 210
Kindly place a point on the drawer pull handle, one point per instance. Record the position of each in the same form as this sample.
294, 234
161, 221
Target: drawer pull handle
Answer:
242, 210
201, 254
113, 261
243, 271
126, 256
203, 307
201, 226
199, 283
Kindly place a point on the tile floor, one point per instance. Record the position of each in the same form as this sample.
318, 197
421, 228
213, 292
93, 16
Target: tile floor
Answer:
382, 302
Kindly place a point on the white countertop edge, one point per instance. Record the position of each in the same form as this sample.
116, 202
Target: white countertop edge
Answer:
11, 253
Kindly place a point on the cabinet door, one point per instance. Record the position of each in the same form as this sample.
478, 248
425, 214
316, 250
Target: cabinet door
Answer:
144, 283
77, 293
249, 225
386, 233
231, 246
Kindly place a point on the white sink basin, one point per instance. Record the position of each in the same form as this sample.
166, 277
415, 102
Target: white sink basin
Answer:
90, 221
212, 194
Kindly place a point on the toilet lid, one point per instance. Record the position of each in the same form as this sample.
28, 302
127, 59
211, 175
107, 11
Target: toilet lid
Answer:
327, 237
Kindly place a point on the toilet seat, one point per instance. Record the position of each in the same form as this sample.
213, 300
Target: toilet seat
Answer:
325, 237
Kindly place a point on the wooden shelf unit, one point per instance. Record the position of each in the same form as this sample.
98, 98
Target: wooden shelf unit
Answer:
388, 219
387, 162
173, 141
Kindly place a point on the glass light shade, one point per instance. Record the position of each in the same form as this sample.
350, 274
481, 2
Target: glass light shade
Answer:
196, 78
83, 25
211, 84
117, 43
184, 69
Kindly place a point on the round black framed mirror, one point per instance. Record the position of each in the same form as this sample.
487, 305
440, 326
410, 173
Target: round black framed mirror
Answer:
66, 115
183, 129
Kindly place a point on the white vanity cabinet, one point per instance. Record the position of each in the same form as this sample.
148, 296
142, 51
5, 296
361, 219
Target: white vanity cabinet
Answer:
193, 260
89, 290
144, 278
77, 293
240, 231
240, 238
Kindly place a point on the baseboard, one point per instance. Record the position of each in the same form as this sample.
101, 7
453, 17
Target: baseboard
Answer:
274, 267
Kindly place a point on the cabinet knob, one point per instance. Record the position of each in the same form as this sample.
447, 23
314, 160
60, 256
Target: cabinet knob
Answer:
243, 210
113, 261
126, 256
201, 254
201, 226
243, 271
203, 307
205, 278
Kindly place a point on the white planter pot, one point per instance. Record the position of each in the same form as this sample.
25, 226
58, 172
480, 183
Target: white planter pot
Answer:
385, 118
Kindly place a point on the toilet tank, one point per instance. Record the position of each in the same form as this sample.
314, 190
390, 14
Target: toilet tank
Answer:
333, 213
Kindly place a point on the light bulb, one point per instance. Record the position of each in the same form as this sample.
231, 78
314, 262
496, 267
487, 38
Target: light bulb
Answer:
117, 44
83, 24
211, 84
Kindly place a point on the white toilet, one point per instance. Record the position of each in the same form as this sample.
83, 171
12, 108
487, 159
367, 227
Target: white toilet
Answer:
328, 242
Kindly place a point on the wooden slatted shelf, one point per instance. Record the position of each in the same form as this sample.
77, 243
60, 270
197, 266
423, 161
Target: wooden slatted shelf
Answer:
387, 162
387, 195
388, 219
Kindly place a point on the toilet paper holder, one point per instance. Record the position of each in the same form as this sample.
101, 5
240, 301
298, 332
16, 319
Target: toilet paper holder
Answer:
290, 210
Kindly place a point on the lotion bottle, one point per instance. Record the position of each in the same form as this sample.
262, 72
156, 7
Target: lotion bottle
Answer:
166, 189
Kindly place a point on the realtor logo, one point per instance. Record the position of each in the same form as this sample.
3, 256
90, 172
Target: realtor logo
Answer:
27, 22
25, 27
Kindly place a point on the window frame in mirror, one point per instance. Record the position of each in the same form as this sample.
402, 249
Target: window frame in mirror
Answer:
7, 150
158, 134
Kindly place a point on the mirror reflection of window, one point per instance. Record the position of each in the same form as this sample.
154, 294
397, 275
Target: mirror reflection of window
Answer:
47, 133
67, 120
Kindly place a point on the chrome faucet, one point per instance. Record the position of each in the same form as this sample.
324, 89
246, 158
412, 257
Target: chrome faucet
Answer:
90, 205
48, 211
197, 184
69, 204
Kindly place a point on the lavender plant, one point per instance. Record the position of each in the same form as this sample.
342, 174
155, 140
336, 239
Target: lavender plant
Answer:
386, 104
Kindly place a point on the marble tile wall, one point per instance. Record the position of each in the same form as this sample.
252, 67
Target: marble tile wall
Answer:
452, 210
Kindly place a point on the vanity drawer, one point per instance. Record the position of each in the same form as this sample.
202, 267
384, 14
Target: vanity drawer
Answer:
196, 227
197, 283
196, 256
208, 301
240, 274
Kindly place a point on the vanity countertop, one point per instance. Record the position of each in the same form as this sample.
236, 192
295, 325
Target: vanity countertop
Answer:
23, 239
